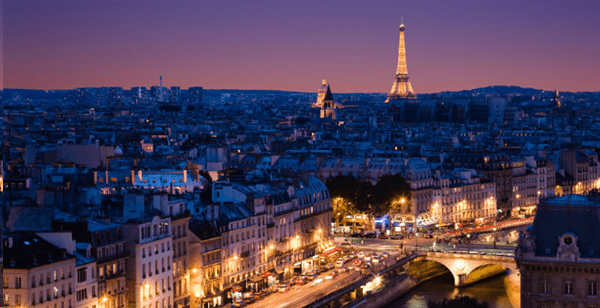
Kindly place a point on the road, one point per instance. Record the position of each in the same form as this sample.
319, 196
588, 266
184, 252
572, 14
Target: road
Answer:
299, 296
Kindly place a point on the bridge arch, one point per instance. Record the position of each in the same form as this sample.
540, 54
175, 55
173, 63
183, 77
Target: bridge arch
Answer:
467, 268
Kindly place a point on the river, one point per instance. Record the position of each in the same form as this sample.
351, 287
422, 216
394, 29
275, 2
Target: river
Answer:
492, 291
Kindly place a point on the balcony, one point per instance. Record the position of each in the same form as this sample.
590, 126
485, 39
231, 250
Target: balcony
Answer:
116, 256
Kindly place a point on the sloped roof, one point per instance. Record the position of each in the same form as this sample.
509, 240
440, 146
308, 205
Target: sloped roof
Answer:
328, 96
576, 214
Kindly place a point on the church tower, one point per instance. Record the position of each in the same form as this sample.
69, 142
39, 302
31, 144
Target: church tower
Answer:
401, 89
321, 95
327, 108
557, 99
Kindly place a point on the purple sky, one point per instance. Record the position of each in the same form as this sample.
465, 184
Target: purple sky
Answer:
292, 45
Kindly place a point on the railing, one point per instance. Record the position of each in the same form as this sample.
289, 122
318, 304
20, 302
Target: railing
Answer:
114, 257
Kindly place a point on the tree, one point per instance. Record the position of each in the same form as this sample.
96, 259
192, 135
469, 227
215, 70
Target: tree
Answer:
458, 302
388, 190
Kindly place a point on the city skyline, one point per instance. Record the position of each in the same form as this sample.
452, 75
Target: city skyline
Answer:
290, 46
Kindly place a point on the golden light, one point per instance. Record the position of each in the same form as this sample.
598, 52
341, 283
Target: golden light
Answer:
147, 286
272, 247
377, 280
319, 230
518, 196
105, 299
235, 257
539, 192
297, 237
197, 294
194, 270
402, 200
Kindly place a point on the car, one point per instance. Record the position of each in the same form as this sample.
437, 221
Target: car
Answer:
332, 275
339, 263
397, 237
385, 254
329, 266
343, 269
317, 281
239, 303
428, 235
376, 260
299, 281
356, 234
361, 254
284, 287
370, 235
383, 237
365, 265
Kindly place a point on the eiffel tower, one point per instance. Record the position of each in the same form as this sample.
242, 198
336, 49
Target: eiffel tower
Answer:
401, 88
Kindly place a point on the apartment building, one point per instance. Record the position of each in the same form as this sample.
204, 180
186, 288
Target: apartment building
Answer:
37, 273
206, 275
149, 270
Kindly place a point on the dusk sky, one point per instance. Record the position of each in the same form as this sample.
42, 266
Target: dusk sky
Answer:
293, 45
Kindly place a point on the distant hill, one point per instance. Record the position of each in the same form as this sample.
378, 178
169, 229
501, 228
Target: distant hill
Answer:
501, 90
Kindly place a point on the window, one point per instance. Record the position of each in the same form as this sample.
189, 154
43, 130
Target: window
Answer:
81, 295
6, 299
592, 288
6, 283
82, 274
569, 287
17, 282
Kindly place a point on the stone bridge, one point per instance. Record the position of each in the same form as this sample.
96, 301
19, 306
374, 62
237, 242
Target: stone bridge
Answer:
466, 268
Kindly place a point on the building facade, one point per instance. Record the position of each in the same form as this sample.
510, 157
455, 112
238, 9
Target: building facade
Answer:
558, 258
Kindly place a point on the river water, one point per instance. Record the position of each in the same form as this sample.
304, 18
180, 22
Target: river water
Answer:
492, 291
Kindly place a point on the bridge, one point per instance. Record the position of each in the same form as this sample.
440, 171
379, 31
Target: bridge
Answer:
399, 277
466, 268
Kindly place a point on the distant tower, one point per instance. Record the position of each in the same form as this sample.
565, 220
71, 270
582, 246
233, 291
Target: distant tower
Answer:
321, 95
557, 99
327, 108
160, 97
401, 88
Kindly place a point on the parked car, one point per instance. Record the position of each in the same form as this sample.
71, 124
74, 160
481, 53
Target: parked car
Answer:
356, 234
397, 237
339, 263
385, 254
383, 236
370, 235
329, 266
284, 287
428, 235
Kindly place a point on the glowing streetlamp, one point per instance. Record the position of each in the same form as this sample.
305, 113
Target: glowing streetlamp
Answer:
469, 243
495, 237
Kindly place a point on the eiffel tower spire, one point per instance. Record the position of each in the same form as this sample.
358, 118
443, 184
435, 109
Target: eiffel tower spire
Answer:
401, 88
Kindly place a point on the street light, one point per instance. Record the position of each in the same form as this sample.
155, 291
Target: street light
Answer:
495, 237
416, 243
469, 243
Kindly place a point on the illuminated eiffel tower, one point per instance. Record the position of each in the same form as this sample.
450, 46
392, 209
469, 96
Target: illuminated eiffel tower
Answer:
401, 88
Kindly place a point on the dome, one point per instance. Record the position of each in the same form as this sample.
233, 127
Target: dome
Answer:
118, 151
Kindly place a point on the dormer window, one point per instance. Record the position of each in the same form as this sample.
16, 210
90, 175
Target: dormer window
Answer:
568, 240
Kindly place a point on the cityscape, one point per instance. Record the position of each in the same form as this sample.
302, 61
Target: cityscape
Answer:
199, 154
